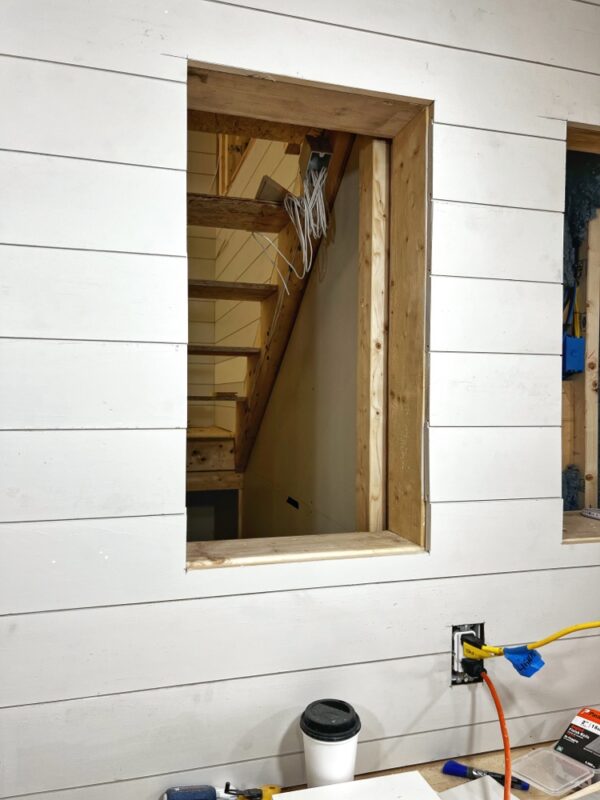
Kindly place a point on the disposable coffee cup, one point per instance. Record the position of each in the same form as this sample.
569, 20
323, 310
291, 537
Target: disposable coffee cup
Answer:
330, 731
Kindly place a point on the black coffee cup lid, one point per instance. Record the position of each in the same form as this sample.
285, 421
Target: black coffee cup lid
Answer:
330, 721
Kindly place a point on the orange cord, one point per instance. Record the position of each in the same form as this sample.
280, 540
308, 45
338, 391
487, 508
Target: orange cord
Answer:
504, 729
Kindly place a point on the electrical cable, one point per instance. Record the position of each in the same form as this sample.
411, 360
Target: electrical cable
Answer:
308, 215
504, 731
582, 626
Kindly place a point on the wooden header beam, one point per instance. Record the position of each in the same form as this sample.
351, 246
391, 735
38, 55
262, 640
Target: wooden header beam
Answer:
238, 213
586, 140
298, 104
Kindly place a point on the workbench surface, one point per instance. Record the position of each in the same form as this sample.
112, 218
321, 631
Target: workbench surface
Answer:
432, 772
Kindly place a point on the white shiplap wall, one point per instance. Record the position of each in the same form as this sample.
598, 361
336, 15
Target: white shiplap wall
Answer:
113, 684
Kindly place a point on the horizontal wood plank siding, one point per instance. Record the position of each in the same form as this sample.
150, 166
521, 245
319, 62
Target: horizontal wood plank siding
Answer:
184, 727
100, 206
75, 474
63, 384
494, 389
114, 681
477, 241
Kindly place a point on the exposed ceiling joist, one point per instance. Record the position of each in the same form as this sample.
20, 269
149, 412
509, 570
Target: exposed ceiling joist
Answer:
211, 122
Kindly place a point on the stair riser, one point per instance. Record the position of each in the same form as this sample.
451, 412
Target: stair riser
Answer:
210, 456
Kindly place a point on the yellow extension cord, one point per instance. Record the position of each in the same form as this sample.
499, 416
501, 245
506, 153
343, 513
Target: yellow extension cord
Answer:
489, 651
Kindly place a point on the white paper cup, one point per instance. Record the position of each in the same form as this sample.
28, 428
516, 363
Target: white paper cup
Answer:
330, 731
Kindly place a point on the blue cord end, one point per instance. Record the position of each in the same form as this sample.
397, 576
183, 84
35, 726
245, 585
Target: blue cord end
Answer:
454, 768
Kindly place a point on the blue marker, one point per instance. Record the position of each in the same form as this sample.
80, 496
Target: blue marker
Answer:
462, 771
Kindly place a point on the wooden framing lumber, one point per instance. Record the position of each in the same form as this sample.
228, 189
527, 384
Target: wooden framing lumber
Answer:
586, 140
278, 100
210, 455
213, 481
592, 343
372, 334
230, 290
228, 397
261, 375
409, 213
237, 213
250, 127
221, 350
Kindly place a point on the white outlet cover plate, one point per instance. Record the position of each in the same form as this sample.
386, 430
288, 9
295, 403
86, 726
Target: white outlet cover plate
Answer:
402, 786
481, 789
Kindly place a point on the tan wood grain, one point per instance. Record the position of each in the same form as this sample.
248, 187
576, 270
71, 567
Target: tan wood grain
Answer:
372, 334
210, 432
236, 213
592, 343
229, 290
253, 128
584, 139
299, 104
210, 455
493, 761
409, 213
236, 553
577, 528
221, 350
217, 396
213, 481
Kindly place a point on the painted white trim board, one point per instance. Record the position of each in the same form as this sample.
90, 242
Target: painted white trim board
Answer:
471, 240
61, 384
490, 316
50, 201
65, 110
77, 294
126, 637
467, 389
54, 565
91, 473
493, 463
503, 169
566, 33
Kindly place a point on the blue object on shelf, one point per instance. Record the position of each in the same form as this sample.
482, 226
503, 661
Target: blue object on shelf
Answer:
191, 793
573, 354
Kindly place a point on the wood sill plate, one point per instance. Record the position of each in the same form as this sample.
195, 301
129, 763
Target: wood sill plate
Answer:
286, 549
577, 529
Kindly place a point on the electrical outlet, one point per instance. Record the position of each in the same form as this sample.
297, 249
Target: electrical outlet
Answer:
458, 677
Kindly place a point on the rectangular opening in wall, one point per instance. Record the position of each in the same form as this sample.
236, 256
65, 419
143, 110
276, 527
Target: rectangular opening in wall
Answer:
581, 337
307, 242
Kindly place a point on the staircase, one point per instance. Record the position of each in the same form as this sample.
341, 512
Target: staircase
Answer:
217, 457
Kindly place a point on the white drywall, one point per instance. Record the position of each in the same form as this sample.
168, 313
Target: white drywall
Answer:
306, 445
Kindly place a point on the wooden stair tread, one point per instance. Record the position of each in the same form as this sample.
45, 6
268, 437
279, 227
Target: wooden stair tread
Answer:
211, 432
221, 350
230, 290
228, 396
237, 213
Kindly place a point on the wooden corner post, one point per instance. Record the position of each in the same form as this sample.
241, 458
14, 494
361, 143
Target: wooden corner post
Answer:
409, 255
373, 166
592, 344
